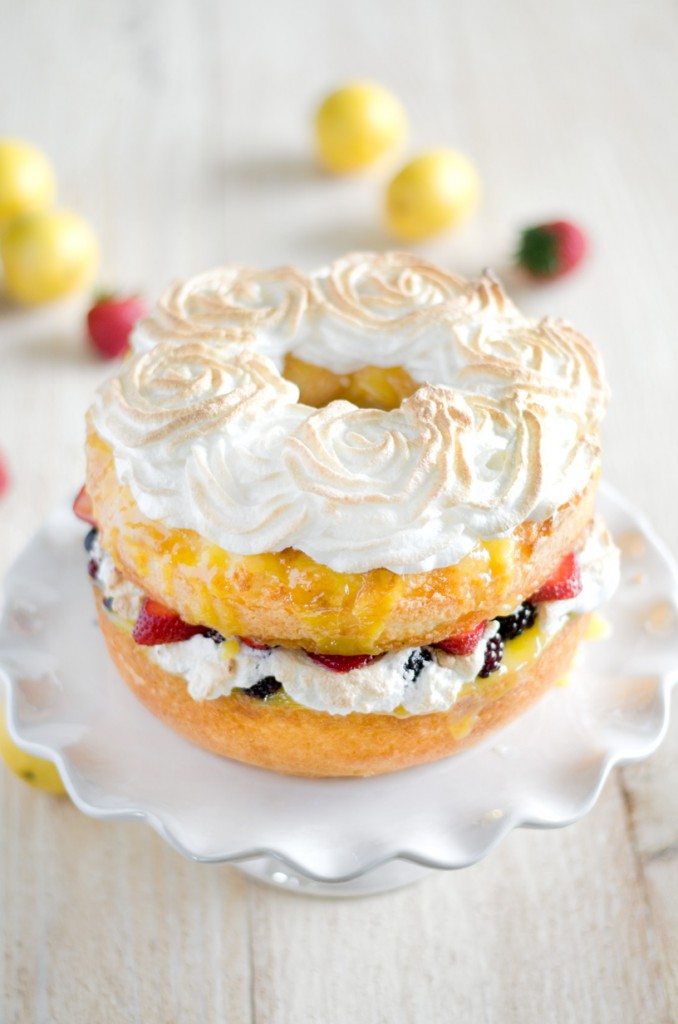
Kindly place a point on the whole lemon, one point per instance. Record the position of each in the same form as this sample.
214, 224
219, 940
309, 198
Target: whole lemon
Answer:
35, 770
434, 191
47, 255
356, 125
27, 181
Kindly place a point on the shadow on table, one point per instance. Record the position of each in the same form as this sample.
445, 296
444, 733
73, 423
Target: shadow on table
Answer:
57, 347
284, 170
329, 240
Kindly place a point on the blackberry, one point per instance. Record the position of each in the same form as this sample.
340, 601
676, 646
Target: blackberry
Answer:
511, 626
90, 538
264, 688
494, 652
416, 661
93, 568
214, 634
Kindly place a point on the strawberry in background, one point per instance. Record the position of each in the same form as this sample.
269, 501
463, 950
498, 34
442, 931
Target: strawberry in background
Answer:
4, 475
110, 322
548, 251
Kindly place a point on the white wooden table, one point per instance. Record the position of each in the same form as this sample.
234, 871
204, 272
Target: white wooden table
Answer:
181, 130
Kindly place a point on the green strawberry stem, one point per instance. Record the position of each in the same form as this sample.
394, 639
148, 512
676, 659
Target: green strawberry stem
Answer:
538, 251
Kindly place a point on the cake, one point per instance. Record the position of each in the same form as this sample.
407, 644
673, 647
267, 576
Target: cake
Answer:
343, 523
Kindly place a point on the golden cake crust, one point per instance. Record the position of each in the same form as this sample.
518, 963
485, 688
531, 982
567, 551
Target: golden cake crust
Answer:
294, 740
286, 598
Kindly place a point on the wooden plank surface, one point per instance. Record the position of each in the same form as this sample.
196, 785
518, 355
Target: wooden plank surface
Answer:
181, 130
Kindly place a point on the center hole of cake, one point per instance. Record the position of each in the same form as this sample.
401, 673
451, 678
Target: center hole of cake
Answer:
370, 387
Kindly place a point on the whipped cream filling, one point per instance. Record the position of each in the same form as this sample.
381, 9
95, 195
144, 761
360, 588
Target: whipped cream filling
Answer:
387, 685
209, 436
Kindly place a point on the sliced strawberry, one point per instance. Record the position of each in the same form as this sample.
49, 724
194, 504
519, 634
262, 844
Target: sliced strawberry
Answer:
82, 506
343, 662
565, 582
256, 645
158, 624
463, 643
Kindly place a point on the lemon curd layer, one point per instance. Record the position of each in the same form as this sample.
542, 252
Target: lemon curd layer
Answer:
288, 598
410, 680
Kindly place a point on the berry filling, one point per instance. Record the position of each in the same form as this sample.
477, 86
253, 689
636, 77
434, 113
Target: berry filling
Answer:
563, 584
90, 538
213, 634
511, 626
256, 645
158, 624
343, 662
494, 652
416, 661
412, 680
264, 688
462, 644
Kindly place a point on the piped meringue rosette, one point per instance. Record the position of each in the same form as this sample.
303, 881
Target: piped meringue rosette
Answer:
432, 556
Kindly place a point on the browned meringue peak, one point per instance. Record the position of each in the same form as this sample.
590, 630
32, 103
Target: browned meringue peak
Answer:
230, 303
379, 291
177, 394
391, 290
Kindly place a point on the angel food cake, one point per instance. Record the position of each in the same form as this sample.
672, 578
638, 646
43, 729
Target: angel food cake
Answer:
343, 523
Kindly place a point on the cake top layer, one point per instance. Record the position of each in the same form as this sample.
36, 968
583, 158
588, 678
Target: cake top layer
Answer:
209, 435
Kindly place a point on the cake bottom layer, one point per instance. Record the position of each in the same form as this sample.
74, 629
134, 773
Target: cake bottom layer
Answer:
285, 737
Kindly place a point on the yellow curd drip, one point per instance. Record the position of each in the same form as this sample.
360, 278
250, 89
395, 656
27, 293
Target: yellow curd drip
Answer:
501, 554
462, 727
229, 649
522, 650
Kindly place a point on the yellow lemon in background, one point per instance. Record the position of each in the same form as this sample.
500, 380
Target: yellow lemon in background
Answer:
356, 125
47, 255
31, 769
434, 191
27, 181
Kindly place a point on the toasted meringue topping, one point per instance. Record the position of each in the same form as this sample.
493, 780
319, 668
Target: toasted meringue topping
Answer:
231, 303
209, 436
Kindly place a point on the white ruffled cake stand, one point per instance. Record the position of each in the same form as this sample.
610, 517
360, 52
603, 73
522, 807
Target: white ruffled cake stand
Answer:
66, 702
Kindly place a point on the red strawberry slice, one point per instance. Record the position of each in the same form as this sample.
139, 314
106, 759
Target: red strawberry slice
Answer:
82, 506
256, 645
565, 582
463, 643
343, 662
158, 624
